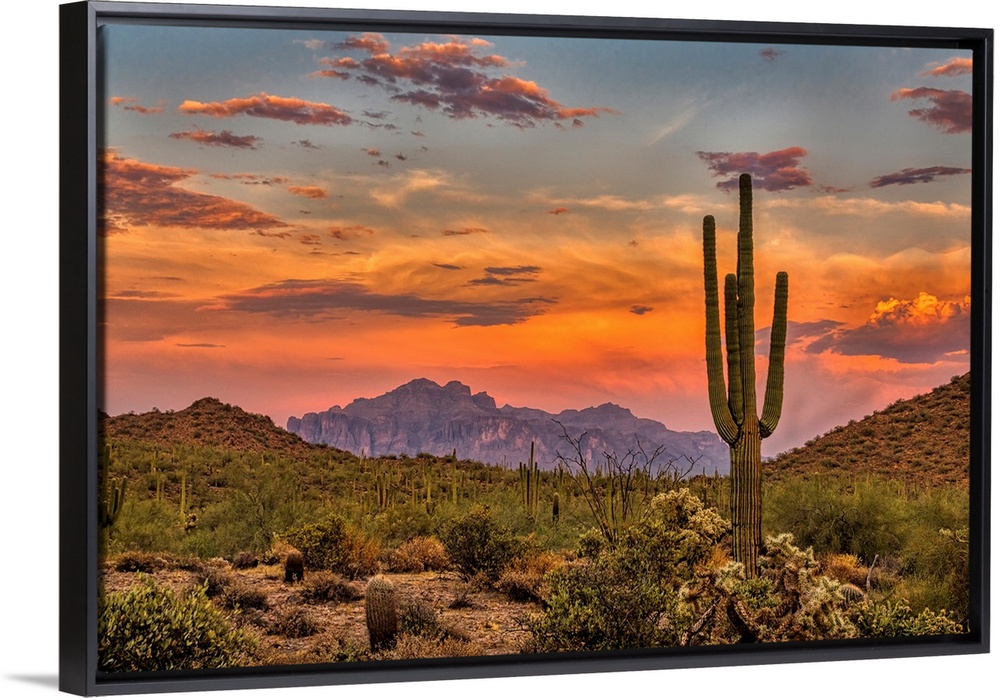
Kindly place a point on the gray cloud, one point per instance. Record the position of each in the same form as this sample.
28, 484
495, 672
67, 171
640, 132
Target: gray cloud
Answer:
295, 298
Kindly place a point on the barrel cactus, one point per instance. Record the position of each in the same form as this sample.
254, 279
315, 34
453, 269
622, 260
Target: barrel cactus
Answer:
381, 614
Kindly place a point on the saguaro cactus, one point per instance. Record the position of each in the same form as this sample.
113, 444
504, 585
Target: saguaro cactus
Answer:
530, 475
735, 411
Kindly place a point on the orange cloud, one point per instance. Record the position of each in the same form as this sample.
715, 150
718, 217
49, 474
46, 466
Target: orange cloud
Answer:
557, 211
921, 330
130, 104
291, 109
370, 42
251, 178
221, 138
309, 191
146, 194
956, 66
343, 233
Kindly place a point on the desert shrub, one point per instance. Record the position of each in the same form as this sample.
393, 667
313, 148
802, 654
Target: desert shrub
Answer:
418, 618
325, 587
333, 545
294, 623
215, 582
523, 580
590, 543
245, 560
897, 619
410, 646
846, 568
150, 628
476, 544
593, 607
938, 569
141, 562
676, 533
419, 554
243, 597
627, 595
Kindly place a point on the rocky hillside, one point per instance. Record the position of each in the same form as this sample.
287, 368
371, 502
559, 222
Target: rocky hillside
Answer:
423, 416
923, 440
210, 423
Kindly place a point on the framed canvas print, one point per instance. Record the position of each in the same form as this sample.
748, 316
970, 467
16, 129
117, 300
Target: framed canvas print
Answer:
418, 345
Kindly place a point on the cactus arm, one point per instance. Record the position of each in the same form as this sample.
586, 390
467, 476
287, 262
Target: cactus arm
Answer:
774, 393
723, 418
745, 301
733, 351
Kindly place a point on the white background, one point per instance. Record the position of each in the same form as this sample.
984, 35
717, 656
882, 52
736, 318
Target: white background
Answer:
29, 390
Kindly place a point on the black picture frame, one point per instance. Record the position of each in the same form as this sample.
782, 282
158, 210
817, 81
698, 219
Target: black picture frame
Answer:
80, 362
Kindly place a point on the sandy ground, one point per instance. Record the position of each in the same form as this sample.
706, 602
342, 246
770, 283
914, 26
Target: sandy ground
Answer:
488, 623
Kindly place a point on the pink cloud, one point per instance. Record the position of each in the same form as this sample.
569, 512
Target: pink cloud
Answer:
950, 110
457, 77
911, 176
557, 211
291, 109
774, 171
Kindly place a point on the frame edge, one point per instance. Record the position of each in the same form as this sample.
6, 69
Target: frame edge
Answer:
77, 372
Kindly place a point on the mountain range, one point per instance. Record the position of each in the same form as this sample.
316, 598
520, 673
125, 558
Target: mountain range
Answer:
423, 416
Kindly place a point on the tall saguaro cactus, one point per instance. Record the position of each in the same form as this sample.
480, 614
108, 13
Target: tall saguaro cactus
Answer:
734, 411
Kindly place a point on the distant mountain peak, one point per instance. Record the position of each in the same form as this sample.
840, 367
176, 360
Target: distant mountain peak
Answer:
424, 416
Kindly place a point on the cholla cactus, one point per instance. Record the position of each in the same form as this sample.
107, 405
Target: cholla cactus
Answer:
789, 601
381, 614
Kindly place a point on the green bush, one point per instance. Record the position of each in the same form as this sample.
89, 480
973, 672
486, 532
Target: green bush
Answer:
149, 526
476, 544
150, 628
834, 515
594, 607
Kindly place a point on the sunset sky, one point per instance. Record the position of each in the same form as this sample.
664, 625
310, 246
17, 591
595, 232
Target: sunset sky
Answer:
294, 219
